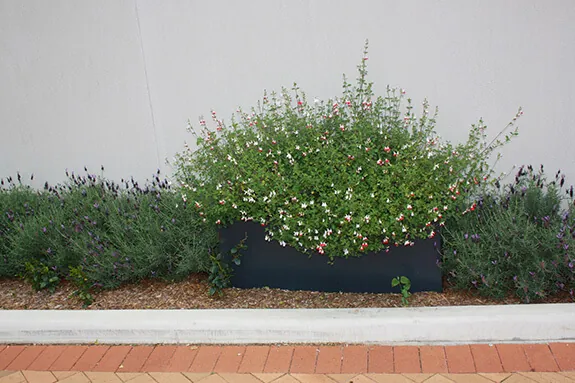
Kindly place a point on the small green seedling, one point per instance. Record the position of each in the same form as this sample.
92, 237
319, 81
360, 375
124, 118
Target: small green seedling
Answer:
221, 272
405, 284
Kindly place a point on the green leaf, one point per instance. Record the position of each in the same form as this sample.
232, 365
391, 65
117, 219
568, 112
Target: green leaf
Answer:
237, 261
394, 282
233, 250
405, 280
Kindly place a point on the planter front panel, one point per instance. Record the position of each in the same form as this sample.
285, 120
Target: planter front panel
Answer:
269, 264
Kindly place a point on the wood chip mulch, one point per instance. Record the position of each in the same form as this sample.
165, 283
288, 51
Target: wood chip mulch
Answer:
193, 294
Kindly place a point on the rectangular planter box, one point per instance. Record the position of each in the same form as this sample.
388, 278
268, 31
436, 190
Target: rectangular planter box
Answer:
269, 264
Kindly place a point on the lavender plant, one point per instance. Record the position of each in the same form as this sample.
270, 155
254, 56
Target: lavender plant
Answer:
341, 177
113, 233
519, 239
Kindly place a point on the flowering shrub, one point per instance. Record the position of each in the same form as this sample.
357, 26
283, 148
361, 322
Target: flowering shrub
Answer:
518, 239
340, 177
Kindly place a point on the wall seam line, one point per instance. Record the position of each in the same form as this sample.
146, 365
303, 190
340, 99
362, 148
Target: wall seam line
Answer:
155, 131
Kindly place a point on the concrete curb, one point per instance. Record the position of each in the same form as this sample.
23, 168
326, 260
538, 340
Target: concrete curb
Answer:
426, 325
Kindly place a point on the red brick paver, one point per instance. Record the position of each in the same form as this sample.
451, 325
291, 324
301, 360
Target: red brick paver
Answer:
68, 358
279, 359
159, 359
486, 358
25, 358
406, 360
205, 359
380, 360
90, 358
46, 358
564, 354
182, 359
513, 357
230, 359
432, 359
112, 359
136, 359
9, 354
459, 359
329, 360
540, 357
354, 360
254, 359
303, 360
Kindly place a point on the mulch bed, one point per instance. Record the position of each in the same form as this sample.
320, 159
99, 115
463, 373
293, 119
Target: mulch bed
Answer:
193, 294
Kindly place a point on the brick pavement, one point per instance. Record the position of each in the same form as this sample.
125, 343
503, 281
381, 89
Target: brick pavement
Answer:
553, 362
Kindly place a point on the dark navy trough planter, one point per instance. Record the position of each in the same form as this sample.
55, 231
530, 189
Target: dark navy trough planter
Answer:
269, 264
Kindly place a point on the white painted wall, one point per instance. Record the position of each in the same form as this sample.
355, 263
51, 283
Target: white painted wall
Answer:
114, 82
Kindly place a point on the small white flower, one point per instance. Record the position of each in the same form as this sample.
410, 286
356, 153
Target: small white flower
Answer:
282, 244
